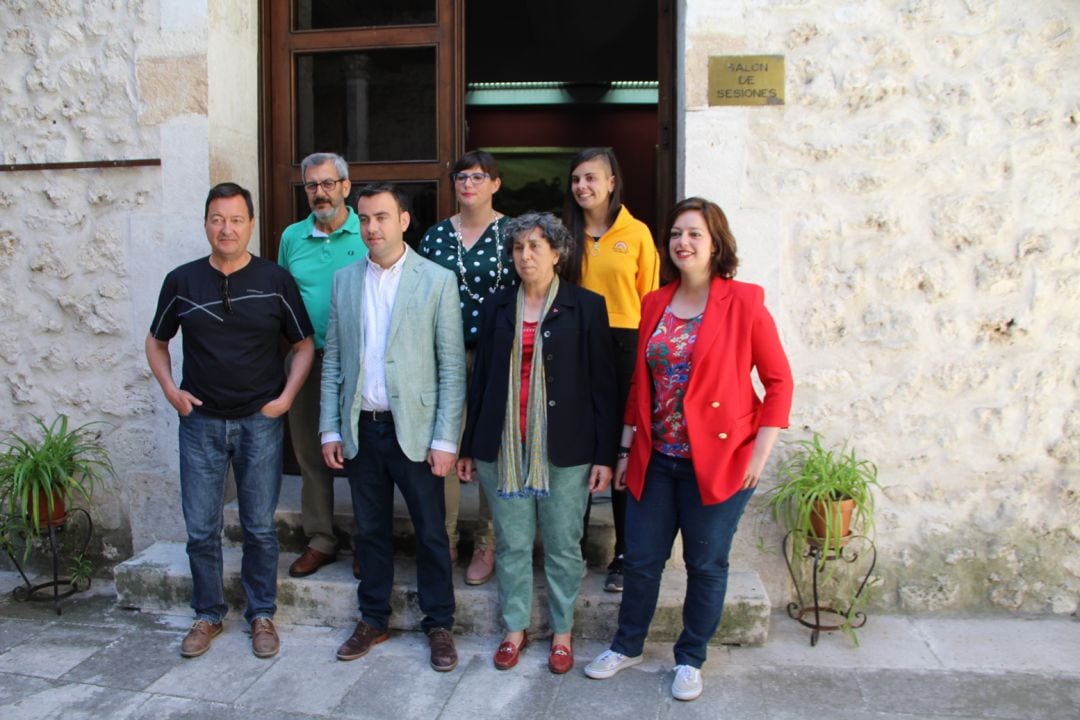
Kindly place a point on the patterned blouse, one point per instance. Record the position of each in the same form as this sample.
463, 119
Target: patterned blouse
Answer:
668, 356
481, 270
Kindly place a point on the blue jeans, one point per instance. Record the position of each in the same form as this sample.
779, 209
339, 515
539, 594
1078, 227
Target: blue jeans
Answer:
378, 466
671, 502
253, 445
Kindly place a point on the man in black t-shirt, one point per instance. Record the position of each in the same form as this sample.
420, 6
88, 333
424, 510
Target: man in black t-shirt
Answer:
234, 308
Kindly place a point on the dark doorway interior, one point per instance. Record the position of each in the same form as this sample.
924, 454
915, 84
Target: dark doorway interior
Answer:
546, 78
572, 40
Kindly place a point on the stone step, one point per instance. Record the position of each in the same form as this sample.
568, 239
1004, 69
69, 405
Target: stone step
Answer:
158, 580
600, 542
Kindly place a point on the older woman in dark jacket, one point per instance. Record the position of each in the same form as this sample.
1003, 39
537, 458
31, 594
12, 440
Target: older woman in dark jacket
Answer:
539, 435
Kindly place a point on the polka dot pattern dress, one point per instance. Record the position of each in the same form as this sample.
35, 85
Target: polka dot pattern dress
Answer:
479, 270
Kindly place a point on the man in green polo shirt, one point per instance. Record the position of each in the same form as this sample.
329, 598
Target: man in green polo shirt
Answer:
312, 250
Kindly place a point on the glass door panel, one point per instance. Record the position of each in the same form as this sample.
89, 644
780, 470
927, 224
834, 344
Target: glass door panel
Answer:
379, 83
372, 106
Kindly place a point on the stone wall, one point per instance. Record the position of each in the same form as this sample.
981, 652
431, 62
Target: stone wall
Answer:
913, 212
83, 252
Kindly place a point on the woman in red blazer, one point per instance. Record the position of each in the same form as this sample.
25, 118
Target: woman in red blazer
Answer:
696, 437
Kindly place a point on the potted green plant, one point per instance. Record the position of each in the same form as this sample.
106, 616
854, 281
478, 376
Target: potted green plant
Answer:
38, 475
824, 496
824, 492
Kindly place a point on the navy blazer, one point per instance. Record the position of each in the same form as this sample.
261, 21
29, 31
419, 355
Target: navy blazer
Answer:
580, 373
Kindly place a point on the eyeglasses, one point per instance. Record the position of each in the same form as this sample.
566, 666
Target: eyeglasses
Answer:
226, 304
326, 185
461, 178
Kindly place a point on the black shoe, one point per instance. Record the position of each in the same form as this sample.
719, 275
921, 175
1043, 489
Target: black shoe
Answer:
614, 581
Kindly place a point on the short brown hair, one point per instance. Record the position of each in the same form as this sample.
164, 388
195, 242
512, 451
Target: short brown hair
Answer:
378, 188
477, 158
724, 258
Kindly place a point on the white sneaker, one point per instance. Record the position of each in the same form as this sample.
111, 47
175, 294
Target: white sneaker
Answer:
608, 663
687, 684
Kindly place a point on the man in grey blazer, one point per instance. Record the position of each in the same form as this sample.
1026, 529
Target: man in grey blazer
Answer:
393, 384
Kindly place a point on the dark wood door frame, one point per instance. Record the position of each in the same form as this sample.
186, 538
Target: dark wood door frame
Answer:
666, 142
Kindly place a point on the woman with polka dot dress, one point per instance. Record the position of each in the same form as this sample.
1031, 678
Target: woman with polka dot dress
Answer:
471, 244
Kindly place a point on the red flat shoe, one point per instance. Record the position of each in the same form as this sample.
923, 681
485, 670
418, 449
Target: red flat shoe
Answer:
508, 654
561, 659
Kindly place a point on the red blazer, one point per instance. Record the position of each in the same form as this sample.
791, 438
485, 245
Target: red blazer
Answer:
722, 411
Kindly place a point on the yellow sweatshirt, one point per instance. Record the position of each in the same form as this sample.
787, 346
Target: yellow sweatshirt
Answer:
623, 266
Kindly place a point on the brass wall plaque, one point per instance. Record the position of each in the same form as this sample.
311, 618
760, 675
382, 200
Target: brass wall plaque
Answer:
746, 80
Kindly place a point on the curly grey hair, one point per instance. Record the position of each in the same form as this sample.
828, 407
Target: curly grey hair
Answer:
550, 227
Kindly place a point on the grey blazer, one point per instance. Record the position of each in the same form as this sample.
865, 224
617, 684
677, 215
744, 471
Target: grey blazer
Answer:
424, 362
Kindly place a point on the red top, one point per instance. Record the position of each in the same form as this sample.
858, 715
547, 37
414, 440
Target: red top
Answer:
528, 341
721, 408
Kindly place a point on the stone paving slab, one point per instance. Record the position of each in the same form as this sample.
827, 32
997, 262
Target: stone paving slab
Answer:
74, 700
55, 650
96, 661
1024, 644
163, 707
988, 695
14, 687
891, 641
223, 674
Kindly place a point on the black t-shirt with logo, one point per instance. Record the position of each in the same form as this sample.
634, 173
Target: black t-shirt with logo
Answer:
232, 349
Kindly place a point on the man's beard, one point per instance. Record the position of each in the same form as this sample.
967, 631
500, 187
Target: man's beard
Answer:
325, 213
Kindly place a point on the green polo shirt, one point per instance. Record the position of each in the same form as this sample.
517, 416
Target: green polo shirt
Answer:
312, 258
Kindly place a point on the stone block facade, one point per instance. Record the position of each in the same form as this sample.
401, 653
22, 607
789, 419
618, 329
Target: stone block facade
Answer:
83, 251
913, 211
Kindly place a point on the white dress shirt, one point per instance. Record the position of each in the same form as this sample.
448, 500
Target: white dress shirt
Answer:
380, 289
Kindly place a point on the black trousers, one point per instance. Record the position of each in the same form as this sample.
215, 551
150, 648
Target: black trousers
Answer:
625, 343
377, 468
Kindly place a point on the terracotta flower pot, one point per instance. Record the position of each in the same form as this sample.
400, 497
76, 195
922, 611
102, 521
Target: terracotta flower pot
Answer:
58, 515
835, 514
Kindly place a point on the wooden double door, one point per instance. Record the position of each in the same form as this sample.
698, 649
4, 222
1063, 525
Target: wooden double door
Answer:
384, 85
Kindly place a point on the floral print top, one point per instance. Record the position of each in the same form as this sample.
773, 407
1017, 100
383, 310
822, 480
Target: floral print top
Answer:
480, 271
668, 354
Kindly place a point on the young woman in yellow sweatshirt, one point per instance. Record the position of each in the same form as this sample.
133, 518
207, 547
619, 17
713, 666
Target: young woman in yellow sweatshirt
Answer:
617, 258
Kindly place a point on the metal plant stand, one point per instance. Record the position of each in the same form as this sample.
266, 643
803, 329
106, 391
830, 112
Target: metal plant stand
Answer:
849, 552
29, 591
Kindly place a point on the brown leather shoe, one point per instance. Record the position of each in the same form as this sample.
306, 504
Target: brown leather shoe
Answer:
482, 567
198, 639
310, 561
443, 653
264, 639
364, 637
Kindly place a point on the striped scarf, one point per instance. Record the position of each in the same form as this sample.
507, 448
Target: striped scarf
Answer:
525, 475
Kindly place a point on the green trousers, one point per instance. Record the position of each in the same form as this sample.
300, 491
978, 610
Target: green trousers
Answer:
559, 516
